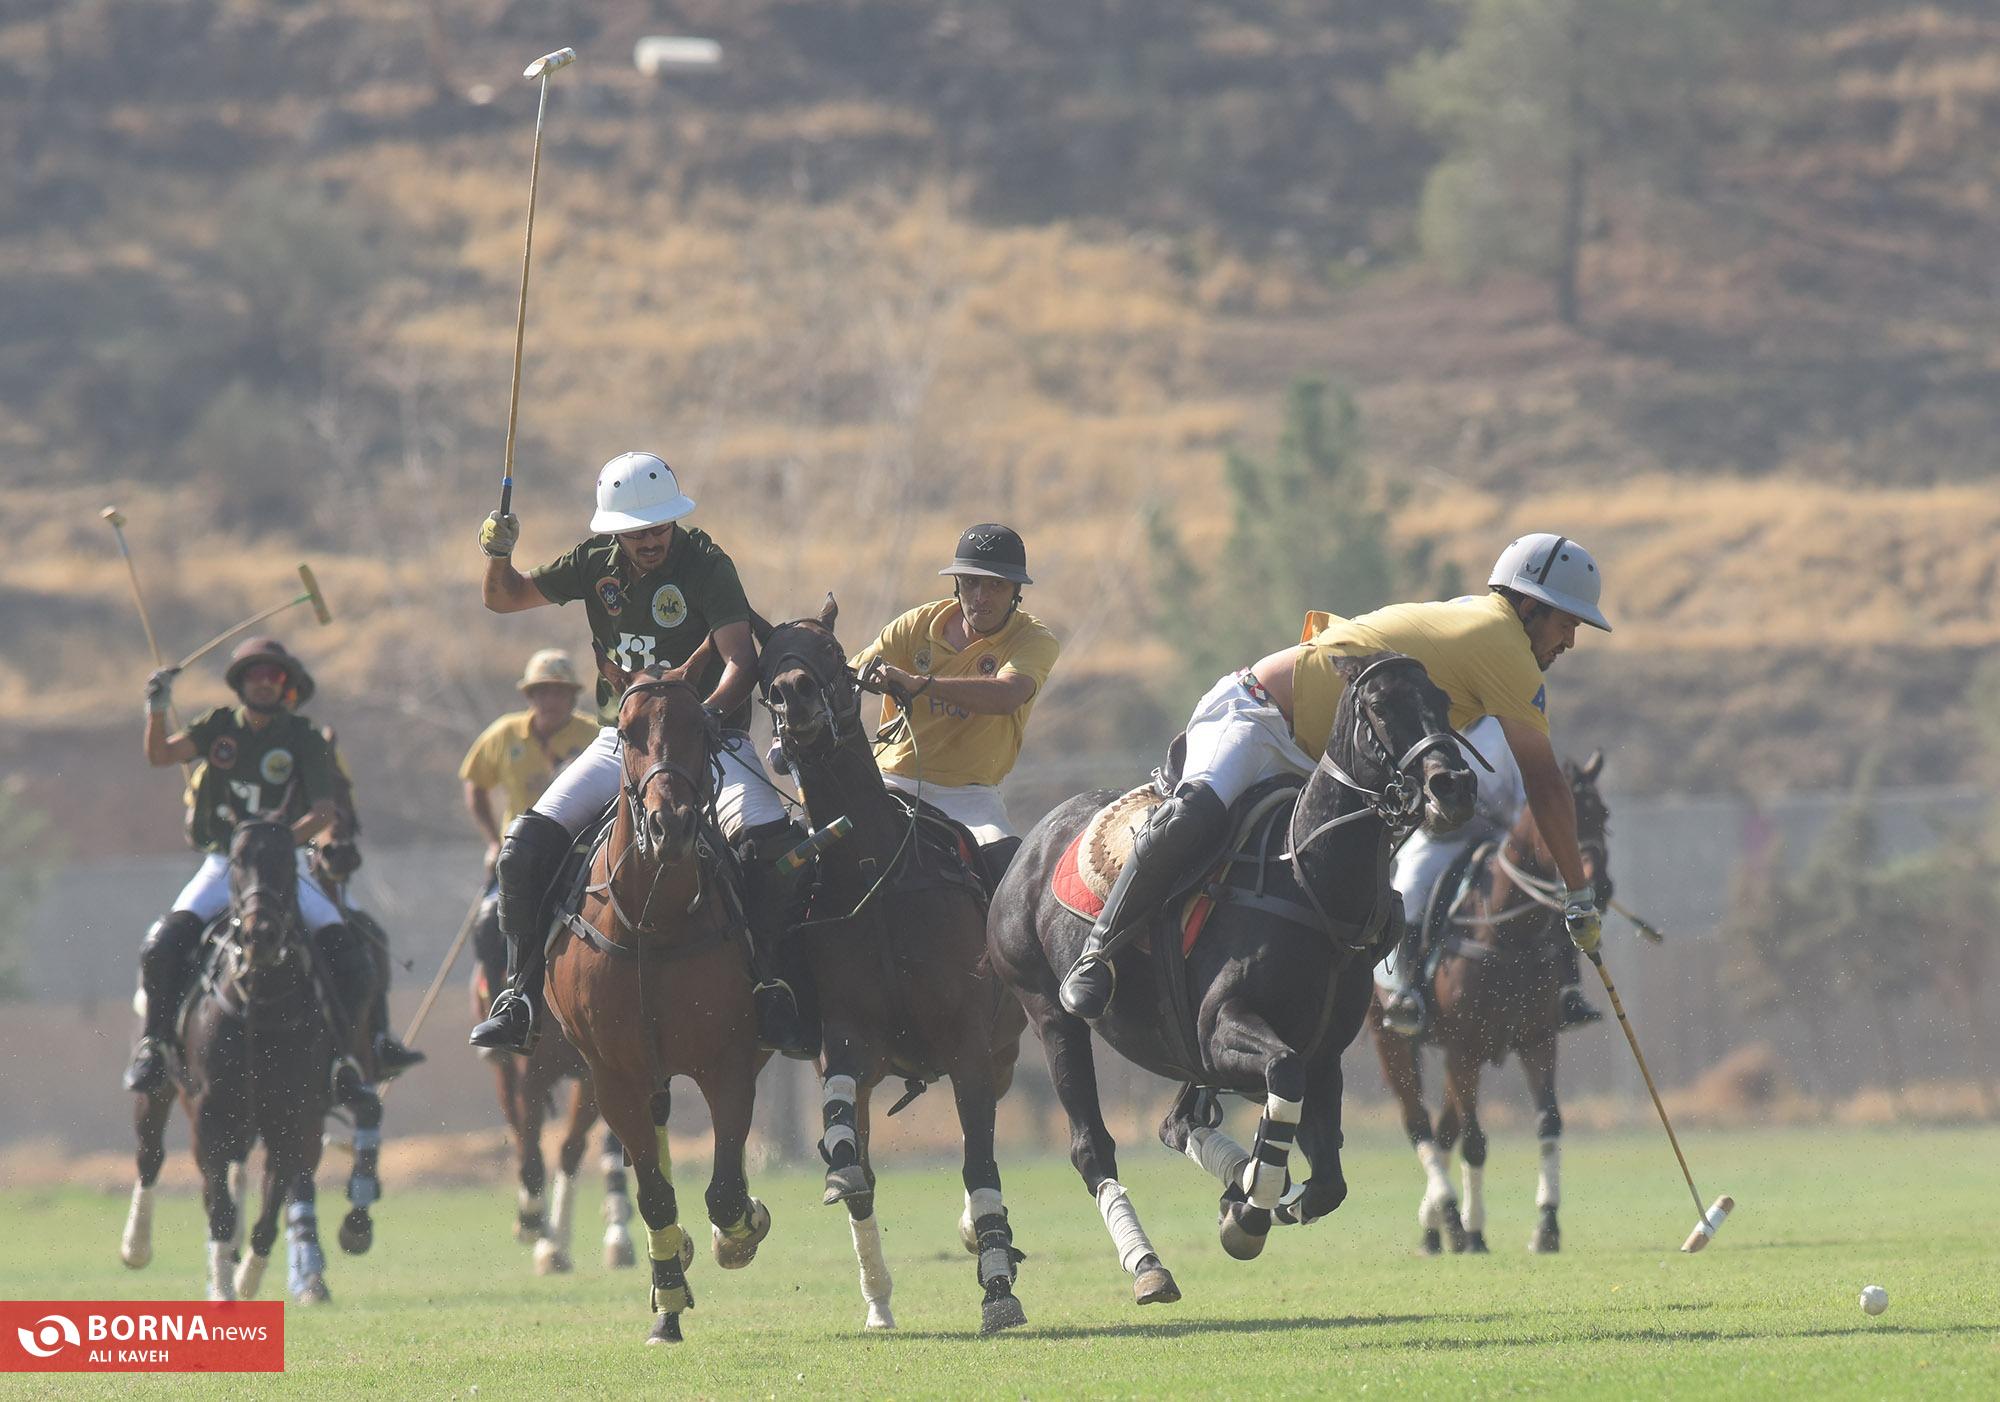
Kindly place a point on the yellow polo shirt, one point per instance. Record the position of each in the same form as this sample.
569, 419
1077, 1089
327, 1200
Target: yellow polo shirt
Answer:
955, 746
508, 757
1474, 648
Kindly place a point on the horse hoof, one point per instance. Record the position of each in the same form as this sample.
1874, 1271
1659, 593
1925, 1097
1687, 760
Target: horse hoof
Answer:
1454, 1227
733, 1253
666, 1329
1244, 1230
551, 1259
845, 1183
357, 1232
1154, 1285
1475, 1242
880, 1318
315, 1292
1001, 1312
1433, 1242
618, 1252
1545, 1243
250, 1275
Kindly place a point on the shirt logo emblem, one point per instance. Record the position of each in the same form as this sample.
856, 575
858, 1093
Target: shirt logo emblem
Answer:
670, 606
988, 665
276, 767
922, 661
222, 754
610, 595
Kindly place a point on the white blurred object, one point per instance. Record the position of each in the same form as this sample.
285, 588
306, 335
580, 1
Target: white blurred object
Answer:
656, 53
1874, 1299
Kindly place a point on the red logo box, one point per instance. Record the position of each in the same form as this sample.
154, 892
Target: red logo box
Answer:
142, 1336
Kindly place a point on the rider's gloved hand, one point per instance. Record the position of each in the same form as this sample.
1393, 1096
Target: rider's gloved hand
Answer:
160, 688
1581, 918
499, 534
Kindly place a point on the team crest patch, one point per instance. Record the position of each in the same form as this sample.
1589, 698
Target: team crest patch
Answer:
1541, 702
988, 665
670, 606
610, 595
276, 767
922, 661
222, 754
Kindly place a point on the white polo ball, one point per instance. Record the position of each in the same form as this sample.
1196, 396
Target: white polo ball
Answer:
1874, 1299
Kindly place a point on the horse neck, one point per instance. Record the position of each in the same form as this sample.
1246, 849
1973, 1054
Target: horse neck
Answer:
1348, 866
847, 783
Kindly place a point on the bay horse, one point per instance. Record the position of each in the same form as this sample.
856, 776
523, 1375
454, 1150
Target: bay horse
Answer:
649, 981
258, 1053
527, 1090
896, 948
1497, 989
1277, 982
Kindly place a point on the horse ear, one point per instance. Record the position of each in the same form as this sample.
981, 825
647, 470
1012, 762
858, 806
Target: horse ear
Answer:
829, 611
761, 628
1593, 766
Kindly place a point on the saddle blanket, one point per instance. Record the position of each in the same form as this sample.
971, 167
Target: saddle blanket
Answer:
1089, 866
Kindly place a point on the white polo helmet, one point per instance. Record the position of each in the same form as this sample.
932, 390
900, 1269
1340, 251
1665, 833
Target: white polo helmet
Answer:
637, 490
1555, 570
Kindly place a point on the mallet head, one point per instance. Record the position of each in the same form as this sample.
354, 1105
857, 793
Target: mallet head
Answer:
114, 516
549, 63
1710, 1223
313, 596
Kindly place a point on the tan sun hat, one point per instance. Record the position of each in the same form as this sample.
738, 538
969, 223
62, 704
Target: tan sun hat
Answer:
549, 667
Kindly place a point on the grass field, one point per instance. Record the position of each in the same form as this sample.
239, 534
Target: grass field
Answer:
446, 1302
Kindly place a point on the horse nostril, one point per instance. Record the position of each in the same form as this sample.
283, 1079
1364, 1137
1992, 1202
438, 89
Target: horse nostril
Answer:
656, 827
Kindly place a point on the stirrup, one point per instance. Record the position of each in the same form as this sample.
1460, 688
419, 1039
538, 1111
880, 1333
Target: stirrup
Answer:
148, 1068
768, 1007
511, 1025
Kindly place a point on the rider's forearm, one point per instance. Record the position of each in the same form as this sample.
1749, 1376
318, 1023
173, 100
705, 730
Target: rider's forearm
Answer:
505, 589
157, 753
733, 688
982, 696
1555, 816
316, 820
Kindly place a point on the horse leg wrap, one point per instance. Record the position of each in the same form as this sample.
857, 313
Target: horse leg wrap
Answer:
1263, 1177
1473, 1177
364, 1188
617, 1206
562, 1203
996, 1248
980, 1202
1114, 1204
136, 1249
1221, 1157
221, 1271
1437, 1185
306, 1262
1548, 1192
839, 1145
875, 1282
671, 1250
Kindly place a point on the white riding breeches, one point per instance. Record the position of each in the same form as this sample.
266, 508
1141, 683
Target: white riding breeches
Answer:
978, 806
747, 798
1234, 741
207, 895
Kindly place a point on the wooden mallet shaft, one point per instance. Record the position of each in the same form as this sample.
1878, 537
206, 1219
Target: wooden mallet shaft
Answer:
311, 596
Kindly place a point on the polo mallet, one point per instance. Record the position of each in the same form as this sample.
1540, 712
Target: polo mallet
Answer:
311, 596
117, 520
1709, 1222
1645, 927
541, 68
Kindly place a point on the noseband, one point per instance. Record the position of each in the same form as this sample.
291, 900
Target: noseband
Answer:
841, 693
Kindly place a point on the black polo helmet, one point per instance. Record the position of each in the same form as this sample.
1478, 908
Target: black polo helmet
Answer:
251, 651
993, 550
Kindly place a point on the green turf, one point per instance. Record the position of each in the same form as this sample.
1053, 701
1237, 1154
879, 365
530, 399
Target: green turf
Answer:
446, 1301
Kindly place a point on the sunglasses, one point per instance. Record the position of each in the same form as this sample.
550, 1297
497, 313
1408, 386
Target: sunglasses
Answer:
649, 533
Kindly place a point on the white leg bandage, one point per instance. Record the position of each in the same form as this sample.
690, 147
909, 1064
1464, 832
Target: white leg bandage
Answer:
561, 1203
875, 1283
1437, 1186
136, 1249
221, 1271
1264, 1175
1475, 1197
1219, 1156
1115, 1206
838, 1115
1548, 1193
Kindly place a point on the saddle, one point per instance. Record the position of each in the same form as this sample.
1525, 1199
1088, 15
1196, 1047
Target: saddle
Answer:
944, 852
564, 908
1440, 933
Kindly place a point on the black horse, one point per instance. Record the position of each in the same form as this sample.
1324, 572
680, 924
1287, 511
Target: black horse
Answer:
1275, 988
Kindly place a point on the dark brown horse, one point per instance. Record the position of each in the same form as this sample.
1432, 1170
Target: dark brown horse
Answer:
1497, 989
896, 947
1276, 986
258, 1050
651, 983
527, 1090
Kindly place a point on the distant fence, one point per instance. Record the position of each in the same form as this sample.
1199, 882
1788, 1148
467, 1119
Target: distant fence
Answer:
1672, 858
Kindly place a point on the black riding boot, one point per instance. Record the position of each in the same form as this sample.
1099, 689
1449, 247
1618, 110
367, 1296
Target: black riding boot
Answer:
351, 972
1176, 833
1406, 1013
167, 961
772, 905
1576, 1010
530, 855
